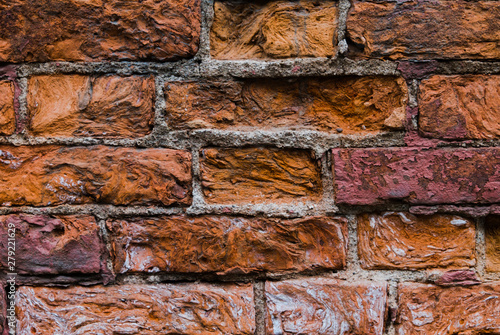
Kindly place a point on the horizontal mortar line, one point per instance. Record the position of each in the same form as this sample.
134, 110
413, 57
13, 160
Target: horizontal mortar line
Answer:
100, 210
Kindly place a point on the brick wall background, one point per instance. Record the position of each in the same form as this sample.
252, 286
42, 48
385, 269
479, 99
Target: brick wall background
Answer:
251, 167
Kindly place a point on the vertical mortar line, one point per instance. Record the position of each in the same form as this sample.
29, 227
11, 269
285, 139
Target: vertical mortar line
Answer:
327, 180
392, 304
413, 93
22, 83
260, 307
160, 126
353, 265
101, 219
480, 247
207, 12
344, 6
198, 198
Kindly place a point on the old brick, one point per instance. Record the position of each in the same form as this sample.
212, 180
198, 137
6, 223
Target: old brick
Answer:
275, 29
433, 310
3, 312
257, 175
53, 245
52, 175
98, 30
402, 29
492, 231
325, 306
405, 241
137, 309
460, 107
355, 104
418, 176
227, 244
7, 112
74, 105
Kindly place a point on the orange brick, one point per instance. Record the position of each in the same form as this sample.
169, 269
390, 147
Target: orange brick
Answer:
492, 231
7, 112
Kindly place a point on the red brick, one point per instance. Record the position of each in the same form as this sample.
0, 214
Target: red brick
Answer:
438, 29
325, 306
405, 241
227, 244
257, 175
433, 310
492, 232
75, 105
52, 175
276, 29
460, 107
53, 245
417, 175
137, 309
357, 105
98, 30
3, 312
7, 112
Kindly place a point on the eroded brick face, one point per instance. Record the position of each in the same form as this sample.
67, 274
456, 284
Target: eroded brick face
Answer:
405, 241
7, 112
355, 105
227, 244
257, 175
137, 309
52, 175
325, 306
96, 30
460, 107
275, 29
434, 310
399, 30
492, 235
76, 105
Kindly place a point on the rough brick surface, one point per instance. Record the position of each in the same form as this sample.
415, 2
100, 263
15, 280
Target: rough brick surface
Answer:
276, 29
227, 244
355, 105
52, 175
256, 175
405, 241
98, 30
107, 106
7, 112
418, 176
137, 309
3, 311
54, 245
458, 29
434, 310
492, 227
325, 306
460, 107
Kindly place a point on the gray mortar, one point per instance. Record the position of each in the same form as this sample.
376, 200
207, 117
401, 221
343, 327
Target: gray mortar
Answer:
344, 6
207, 14
413, 93
260, 307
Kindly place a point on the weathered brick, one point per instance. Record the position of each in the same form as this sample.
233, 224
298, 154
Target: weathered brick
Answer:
227, 244
275, 29
98, 30
3, 312
257, 175
434, 310
7, 112
403, 29
137, 309
460, 107
75, 105
325, 306
52, 175
417, 175
492, 231
405, 241
53, 245
354, 104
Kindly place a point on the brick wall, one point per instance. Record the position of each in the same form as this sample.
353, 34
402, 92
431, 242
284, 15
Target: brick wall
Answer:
251, 167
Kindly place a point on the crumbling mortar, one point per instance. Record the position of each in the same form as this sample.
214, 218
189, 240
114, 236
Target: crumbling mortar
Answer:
344, 6
260, 307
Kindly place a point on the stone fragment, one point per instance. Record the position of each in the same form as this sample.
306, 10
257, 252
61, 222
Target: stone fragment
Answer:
434, 310
76, 105
52, 175
492, 232
402, 29
259, 175
196, 309
275, 29
97, 30
417, 175
7, 112
458, 277
460, 107
227, 244
405, 241
325, 306
355, 105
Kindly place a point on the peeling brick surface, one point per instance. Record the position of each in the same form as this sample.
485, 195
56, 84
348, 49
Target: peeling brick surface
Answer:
7, 112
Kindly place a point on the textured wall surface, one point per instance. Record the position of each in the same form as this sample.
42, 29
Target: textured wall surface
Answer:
250, 167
